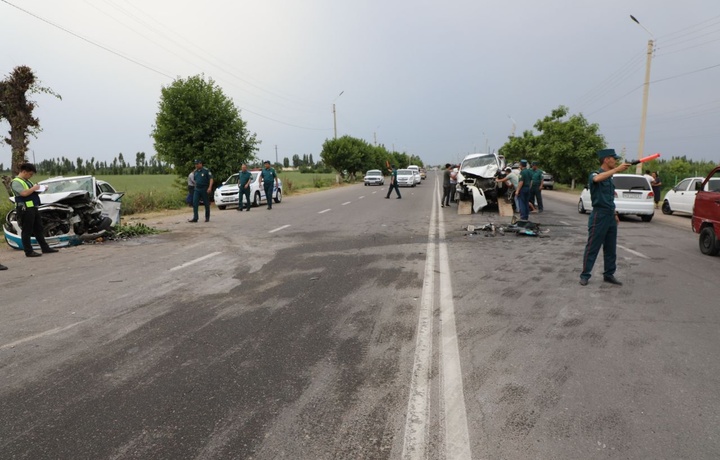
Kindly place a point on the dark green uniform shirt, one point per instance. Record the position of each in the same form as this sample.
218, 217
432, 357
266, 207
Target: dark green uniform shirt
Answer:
526, 177
245, 177
268, 174
202, 178
602, 194
537, 177
394, 175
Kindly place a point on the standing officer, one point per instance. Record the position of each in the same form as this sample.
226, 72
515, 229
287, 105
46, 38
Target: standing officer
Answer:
203, 187
446, 186
522, 191
27, 201
393, 183
267, 176
536, 186
244, 179
602, 223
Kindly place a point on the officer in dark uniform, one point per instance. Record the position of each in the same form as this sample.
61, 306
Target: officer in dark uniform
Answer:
267, 177
393, 183
203, 187
523, 190
27, 202
244, 179
536, 186
602, 223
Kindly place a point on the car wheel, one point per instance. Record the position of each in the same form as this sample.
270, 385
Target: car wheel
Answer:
666, 208
581, 207
222, 207
709, 245
646, 218
256, 199
365, 184
278, 196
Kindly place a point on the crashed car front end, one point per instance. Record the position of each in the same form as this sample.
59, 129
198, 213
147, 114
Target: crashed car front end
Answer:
476, 179
69, 218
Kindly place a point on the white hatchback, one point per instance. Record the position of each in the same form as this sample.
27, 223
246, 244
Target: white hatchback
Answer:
406, 178
681, 198
633, 196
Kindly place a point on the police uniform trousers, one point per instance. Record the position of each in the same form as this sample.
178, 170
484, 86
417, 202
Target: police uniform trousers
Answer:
244, 192
201, 194
31, 225
394, 185
268, 186
602, 231
536, 197
523, 203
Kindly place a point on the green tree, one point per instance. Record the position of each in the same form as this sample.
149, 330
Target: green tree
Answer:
286, 162
17, 109
347, 155
196, 120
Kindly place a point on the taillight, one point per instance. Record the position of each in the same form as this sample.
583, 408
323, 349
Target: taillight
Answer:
650, 196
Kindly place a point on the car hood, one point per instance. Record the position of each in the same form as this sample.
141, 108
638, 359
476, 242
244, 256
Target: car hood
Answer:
487, 171
46, 198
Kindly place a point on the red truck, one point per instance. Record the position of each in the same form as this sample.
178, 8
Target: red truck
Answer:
706, 213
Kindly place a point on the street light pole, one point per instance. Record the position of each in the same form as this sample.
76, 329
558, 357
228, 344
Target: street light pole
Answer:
334, 117
646, 92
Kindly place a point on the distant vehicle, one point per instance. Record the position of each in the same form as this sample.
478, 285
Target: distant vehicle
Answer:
706, 213
414, 167
633, 196
374, 177
416, 176
681, 198
548, 181
423, 173
406, 178
227, 194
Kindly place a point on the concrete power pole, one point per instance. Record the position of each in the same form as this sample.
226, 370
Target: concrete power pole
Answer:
276, 157
643, 119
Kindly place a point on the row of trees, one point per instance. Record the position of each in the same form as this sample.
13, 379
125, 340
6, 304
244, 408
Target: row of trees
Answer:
349, 156
63, 166
566, 145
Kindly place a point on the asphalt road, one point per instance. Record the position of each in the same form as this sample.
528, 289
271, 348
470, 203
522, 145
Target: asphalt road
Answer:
344, 325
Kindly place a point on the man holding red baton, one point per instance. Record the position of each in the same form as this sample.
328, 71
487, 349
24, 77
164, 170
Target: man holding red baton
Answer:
603, 221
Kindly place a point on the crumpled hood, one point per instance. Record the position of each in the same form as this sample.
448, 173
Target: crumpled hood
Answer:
487, 171
47, 198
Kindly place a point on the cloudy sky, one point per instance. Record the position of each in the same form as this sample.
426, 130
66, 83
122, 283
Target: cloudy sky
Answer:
439, 79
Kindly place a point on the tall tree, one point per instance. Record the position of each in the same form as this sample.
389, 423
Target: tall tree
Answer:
17, 109
196, 120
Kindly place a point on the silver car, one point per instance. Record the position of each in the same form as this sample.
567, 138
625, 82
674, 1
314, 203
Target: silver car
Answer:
374, 177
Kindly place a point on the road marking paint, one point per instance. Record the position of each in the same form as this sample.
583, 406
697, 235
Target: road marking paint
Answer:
347, 202
457, 438
278, 229
199, 259
639, 254
361, 197
374, 192
42, 334
564, 223
416, 421
323, 211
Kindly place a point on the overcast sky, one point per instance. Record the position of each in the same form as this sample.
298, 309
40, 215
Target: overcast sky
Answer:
439, 79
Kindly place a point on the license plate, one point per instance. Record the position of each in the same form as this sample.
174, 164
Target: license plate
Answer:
632, 195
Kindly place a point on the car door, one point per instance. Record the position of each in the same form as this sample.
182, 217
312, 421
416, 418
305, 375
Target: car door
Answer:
686, 198
110, 200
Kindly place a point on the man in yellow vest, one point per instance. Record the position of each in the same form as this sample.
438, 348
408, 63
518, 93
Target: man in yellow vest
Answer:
27, 202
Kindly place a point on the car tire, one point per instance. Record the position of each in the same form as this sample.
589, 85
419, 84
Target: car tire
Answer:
221, 207
278, 196
666, 208
365, 184
647, 218
581, 207
709, 245
256, 199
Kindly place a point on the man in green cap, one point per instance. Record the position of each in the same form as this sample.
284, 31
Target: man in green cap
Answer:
393, 183
203, 187
536, 186
602, 223
244, 179
267, 177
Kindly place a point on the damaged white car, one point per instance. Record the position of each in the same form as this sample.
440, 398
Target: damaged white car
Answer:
476, 179
73, 210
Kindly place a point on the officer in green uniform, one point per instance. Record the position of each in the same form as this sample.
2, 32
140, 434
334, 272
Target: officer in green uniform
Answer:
267, 176
393, 183
203, 187
27, 202
602, 223
536, 186
522, 191
244, 180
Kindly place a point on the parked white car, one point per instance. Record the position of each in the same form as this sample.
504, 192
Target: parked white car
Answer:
227, 194
374, 177
405, 178
633, 196
681, 198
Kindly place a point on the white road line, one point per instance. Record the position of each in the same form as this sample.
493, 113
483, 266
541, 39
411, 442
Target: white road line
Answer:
347, 202
374, 192
187, 264
42, 334
639, 254
323, 211
361, 197
416, 421
457, 438
278, 229
564, 223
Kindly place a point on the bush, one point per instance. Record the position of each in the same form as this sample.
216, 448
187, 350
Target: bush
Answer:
140, 202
